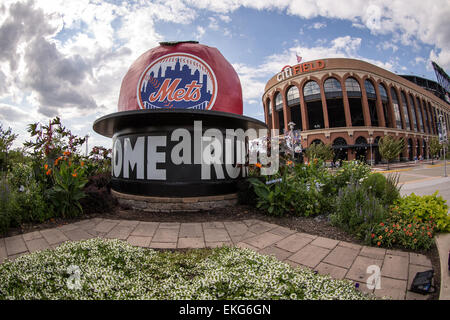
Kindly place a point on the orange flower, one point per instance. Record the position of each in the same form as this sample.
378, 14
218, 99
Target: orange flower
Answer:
49, 172
46, 167
380, 237
386, 230
289, 163
378, 243
82, 163
74, 174
259, 165
66, 153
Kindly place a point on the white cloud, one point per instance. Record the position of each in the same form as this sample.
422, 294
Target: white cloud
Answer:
409, 21
200, 32
318, 25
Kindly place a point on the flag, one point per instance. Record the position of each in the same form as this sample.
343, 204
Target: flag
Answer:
299, 59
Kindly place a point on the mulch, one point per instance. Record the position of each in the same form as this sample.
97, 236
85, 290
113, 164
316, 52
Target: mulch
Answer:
318, 226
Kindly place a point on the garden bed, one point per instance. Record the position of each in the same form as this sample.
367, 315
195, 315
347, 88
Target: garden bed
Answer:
113, 269
319, 227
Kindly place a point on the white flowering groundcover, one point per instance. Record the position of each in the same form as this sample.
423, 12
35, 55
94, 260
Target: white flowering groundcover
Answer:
113, 269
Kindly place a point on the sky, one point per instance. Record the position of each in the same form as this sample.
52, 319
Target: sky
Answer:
67, 58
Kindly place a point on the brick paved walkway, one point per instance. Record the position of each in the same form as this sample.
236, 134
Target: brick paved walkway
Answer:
338, 258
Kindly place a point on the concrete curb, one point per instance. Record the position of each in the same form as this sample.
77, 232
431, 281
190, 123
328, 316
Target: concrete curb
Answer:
443, 245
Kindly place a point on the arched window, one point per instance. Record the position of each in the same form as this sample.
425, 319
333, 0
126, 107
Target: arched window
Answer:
419, 113
279, 110
405, 111
425, 113
398, 118
383, 92
361, 141
278, 102
352, 87
293, 96
354, 100
385, 104
332, 87
335, 104
293, 102
317, 141
413, 112
311, 89
371, 99
269, 113
311, 92
370, 89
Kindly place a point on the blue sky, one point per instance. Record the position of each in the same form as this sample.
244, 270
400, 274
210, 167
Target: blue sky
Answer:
67, 58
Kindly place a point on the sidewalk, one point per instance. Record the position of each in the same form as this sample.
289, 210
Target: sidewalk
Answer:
340, 259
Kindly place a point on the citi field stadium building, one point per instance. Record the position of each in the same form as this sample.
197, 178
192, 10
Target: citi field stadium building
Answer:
351, 104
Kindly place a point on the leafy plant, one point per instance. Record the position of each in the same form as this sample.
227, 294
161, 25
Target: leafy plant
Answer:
69, 181
276, 198
424, 208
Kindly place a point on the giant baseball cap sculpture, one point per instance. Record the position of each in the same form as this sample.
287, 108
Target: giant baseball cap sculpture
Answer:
169, 97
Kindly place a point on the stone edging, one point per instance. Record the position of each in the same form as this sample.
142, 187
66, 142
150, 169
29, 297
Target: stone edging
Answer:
162, 204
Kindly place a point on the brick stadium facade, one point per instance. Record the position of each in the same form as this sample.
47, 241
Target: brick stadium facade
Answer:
351, 104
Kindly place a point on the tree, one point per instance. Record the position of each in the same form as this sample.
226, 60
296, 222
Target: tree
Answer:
390, 148
320, 151
6, 140
435, 148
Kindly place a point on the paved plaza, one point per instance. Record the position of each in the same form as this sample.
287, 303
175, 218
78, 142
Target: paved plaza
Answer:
341, 260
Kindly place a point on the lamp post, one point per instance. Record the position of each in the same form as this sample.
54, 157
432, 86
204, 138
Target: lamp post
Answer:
371, 154
443, 140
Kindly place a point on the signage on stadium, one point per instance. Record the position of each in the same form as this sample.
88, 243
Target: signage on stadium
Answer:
289, 71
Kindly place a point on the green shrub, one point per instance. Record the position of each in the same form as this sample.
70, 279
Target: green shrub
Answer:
376, 184
424, 208
392, 190
351, 172
385, 189
356, 211
5, 219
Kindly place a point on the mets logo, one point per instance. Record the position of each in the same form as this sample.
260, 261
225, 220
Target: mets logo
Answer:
177, 80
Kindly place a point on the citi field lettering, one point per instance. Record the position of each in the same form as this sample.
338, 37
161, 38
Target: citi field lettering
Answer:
289, 71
